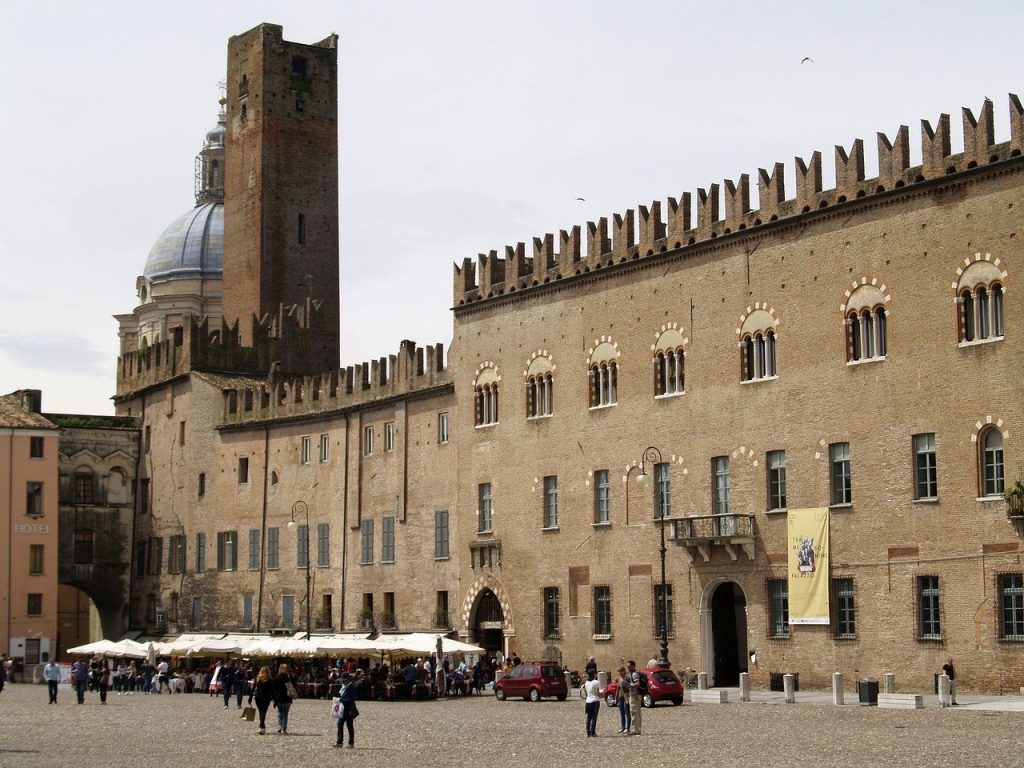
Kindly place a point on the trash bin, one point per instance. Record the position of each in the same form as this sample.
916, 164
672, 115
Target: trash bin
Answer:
868, 691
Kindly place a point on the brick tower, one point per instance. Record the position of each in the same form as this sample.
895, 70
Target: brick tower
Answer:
281, 190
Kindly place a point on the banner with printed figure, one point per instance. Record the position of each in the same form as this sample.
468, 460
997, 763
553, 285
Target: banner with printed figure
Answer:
808, 566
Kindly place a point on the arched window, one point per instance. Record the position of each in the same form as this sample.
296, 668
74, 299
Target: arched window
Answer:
979, 296
866, 323
991, 462
485, 397
758, 346
539, 387
604, 375
669, 363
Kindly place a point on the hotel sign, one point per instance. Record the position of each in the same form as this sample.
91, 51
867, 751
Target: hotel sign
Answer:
31, 528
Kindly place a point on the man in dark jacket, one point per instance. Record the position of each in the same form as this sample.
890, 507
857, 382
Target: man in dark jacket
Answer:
228, 673
349, 712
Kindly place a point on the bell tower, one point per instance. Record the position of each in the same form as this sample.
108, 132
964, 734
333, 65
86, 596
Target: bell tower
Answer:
281, 190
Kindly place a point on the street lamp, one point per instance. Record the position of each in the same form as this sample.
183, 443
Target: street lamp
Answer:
300, 507
652, 455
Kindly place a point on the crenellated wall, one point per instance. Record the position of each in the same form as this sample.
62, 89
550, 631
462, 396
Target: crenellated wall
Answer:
414, 369
285, 339
719, 214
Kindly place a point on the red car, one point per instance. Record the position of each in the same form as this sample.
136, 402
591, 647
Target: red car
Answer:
533, 681
662, 685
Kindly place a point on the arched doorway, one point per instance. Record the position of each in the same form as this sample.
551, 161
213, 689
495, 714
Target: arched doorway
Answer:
728, 633
487, 622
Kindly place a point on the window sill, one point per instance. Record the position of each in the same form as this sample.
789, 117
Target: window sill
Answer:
761, 380
780, 637
601, 638
607, 524
980, 342
549, 529
777, 511
930, 639
669, 395
387, 562
440, 559
927, 500
866, 361
366, 562
486, 532
841, 507
556, 636
538, 417
991, 499
844, 638
485, 426
603, 406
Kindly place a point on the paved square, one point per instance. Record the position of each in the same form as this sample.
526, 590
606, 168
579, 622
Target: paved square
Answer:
195, 731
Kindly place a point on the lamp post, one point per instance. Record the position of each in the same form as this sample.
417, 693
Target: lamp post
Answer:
300, 507
652, 455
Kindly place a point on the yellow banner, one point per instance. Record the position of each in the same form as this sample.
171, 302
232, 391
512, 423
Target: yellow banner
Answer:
808, 566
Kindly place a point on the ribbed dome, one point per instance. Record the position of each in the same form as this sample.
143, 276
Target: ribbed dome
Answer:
192, 246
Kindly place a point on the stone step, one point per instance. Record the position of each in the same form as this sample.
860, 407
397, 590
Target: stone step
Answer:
900, 701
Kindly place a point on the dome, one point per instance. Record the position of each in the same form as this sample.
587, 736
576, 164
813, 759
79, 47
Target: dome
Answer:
191, 247
216, 135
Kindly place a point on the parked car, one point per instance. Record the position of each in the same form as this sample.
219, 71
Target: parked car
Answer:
662, 685
533, 681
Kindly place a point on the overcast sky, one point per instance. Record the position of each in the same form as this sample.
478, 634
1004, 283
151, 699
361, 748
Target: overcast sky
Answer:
464, 127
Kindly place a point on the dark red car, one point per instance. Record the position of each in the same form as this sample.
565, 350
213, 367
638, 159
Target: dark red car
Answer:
533, 681
662, 685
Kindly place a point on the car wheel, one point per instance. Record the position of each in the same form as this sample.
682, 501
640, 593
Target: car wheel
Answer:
648, 701
610, 700
677, 700
562, 697
534, 694
499, 694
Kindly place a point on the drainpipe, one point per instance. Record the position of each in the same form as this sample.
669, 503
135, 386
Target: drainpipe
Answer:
263, 533
10, 538
344, 530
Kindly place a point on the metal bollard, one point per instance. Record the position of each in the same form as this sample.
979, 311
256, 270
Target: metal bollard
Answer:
944, 691
702, 681
837, 688
744, 686
789, 686
889, 683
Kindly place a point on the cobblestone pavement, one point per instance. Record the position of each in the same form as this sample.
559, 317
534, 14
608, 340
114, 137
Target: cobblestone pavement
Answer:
195, 731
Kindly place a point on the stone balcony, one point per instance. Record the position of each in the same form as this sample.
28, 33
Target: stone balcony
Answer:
732, 532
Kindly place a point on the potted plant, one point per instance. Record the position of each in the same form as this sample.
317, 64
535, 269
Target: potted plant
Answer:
366, 619
1015, 500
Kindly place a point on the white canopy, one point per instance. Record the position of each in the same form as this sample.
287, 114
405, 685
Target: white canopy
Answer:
102, 647
423, 643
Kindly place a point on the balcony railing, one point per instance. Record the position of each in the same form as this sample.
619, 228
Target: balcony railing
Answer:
733, 532
82, 571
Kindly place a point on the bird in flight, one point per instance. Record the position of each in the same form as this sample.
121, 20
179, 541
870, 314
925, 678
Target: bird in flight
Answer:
805, 59
581, 199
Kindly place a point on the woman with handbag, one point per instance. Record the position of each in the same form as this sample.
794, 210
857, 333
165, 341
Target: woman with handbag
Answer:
349, 712
263, 693
284, 694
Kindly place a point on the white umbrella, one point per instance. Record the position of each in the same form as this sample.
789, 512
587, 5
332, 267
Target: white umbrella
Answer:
103, 647
128, 649
423, 643
339, 645
214, 648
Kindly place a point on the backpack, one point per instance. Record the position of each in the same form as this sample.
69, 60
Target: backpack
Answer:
643, 682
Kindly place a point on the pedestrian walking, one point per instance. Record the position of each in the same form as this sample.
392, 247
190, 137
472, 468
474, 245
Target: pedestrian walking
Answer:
51, 673
622, 701
950, 671
592, 707
80, 677
103, 681
263, 694
349, 712
227, 681
284, 695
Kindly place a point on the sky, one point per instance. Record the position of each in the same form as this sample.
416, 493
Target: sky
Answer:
465, 126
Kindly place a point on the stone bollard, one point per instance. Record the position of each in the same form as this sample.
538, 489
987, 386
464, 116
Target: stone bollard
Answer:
944, 690
744, 686
837, 688
702, 681
789, 686
568, 681
889, 683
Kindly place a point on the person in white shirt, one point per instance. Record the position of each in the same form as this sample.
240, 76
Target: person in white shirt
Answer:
51, 672
594, 693
161, 677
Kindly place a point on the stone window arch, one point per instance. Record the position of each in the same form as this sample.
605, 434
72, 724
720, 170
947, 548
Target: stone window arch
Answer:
669, 351
603, 373
866, 321
758, 337
989, 437
980, 294
485, 395
539, 385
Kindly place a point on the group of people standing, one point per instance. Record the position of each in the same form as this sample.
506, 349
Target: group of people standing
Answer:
631, 685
